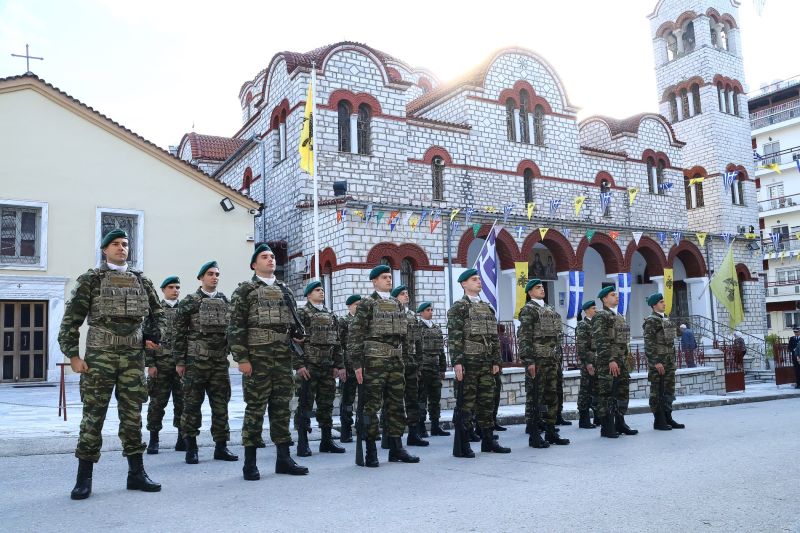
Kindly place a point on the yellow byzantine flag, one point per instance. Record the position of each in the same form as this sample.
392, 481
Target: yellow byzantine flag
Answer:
701, 237
632, 192
579, 203
725, 286
531, 207
668, 283
307, 134
696, 180
521, 272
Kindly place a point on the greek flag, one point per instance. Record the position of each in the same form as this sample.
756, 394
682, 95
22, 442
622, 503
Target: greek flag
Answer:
605, 200
728, 178
468, 214
507, 211
554, 205
757, 156
667, 185
575, 293
662, 237
776, 240
486, 264
624, 291
677, 236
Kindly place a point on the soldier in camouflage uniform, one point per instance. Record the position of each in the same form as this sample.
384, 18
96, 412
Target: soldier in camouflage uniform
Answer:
201, 358
162, 378
587, 359
430, 350
475, 353
659, 347
377, 345
262, 322
349, 385
540, 335
611, 338
411, 394
322, 363
124, 316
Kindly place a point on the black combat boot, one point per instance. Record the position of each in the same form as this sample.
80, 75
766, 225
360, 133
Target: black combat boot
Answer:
326, 445
152, 446
346, 418
222, 453
584, 422
672, 423
346, 433
560, 420
436, 429
398, 454
180, 444
622, 427
250, 470
303, 450
535, 439
191, 451
284, 464
498, 427
371, 459
138, 478
422, 431
489, 444
597, 422
414, 438
552, 437
83, 484
607, 428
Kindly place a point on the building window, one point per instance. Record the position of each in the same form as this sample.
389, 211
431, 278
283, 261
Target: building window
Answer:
684, 104
724, 41
605, 187
247, 181
737, 192
524, 103
345, 110
672, 46
20, 235
660, 177
770, 149
437, 171
696, 99
788, 276
791, 319
511, 130
694, 193
736, 101
652, 180
727, 96
783, 230
364, 129
688, 38
538, 125
407, 279
721, 97
673, 107
130, 222
527, 178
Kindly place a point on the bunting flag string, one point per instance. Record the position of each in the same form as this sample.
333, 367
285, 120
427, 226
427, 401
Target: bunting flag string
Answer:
613, 234
394, 216
662, 238
701, 237
379, 217
506, 212
728, 237
520, 229
369, 213
434, 222
578, 204
531, 207
543, 232
475, 229
727, 179
423, 216
632, 192
605, 200
453, 213
554, 205
490, 209
589, 234
636, 236
413, 221
676, 236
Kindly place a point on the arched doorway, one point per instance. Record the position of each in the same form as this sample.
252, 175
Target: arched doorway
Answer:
550, 259
689, 280
599, 259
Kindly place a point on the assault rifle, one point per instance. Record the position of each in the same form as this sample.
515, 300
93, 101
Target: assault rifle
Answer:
299, 328
362, 425
303, 419
535, 423
460, 431
613, 407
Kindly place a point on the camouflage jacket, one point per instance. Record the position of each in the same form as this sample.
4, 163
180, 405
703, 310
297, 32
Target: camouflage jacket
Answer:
430, 347
92, 300
200, 328
472, 333
585, 343
322, 343
611, 337
540, 333
164, 352
412, 358
659, 339
344, 329
378, 326
246, 312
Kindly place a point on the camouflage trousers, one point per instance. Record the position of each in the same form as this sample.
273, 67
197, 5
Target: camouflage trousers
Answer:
560, 388
587, 393
321, 388
479, 392
430, 393
547, 373
206, 378
160, 387
269, 387
498, 388
348, 397
123, 370
411, 394
384, 385
669, 385
605, 383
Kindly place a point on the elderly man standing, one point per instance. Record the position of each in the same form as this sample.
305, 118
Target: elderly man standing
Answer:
688, 344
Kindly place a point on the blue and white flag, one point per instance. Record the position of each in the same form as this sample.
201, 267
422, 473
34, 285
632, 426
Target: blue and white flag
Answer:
454, 226
422, 217
797, 162
667, 185
369, 213
677, 236
727, 236
624, 291
468, 214
756, 156
575, 293
554, 205
507, 211
776, 241
520, 229
566, 232
486, 264
605, 200
662, 237
728, 178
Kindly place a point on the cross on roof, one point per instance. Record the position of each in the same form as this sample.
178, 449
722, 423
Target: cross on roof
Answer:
28, 58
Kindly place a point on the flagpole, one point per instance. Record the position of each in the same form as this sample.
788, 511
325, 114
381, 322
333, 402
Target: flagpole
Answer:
315, 155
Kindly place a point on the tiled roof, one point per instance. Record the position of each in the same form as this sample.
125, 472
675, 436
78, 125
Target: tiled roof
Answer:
474, 78
318, 55
212, 147
631, 124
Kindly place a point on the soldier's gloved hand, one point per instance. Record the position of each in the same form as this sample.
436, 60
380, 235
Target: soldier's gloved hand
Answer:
590, 369
459, 370
180, 369
303, 373
613, 367
495, 369
152, 372
78, 365
246, 369
660, 369
532, 370
359, 375
150, 345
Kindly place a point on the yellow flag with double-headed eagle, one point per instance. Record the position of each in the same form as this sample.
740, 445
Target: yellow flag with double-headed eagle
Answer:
725, 286
307, 134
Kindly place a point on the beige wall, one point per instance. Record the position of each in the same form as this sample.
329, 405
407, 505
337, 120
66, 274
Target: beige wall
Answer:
65, 158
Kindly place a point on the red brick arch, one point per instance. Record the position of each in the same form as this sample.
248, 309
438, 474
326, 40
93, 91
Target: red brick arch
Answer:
280, 112
327, 258
355, 100
556, 243
434, 151
507, 250
691, 258
396, 253
652, 253
526, 164
608, 250
603, 175
743, 273
533, 98
742, 172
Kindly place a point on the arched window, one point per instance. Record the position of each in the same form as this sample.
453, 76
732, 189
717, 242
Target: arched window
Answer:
437, 171
721, 97
652, 179
511, 130
605, 187
694, 192
407, 279
538, 125
737, 192
727, 97
714, 36
688, 38
672, 46
247, 180
736, 101
282, 134
524, 102
673, 107
660, 176
364, 129
696, 98
740, 279
385, 261
685, 104
276, 144
527, 178
723, 39
345, 110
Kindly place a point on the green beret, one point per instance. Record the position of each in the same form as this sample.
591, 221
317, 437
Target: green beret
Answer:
397, 290
653, 299
111, 235
378, 270
353, 299
423, 306
468, 273
169, 281
311, 286
605, 290
263, 247
205, 267
587, 304
532, 283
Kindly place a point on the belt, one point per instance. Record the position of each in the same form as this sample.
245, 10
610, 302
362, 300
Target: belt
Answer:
100, 338
256, 337
382, 350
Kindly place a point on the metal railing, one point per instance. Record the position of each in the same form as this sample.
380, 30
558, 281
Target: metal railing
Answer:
774, 87
721, 334
775, 114
779, 202
781, 157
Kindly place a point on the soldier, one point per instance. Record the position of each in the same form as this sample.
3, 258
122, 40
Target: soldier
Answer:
411, 391
475, 354
611, 337
115, 299
262, 318
201, 359
659, 347
163, 380
540, 335
587, 359
377, 345
349, 384
430, 348
321, 365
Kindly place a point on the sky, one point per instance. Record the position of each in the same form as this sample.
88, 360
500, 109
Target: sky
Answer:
167, 67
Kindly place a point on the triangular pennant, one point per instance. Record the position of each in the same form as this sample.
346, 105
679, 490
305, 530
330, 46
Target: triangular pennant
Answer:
632, 192
566, 232
454, 225
340, 214
531, 206
578, 204
359, 213
613, 234
413, 221
701, 237
453, 213
520, 229
589, 234
506, 212
662, 237
636, 236
369, 213
434, 222
728, 237
554, 205
423, 216
677, 236
783, 254
378, 217
475, 229
543, 232
468, 214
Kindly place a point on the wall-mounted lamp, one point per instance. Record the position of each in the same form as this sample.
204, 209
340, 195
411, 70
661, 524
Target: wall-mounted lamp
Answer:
226, 204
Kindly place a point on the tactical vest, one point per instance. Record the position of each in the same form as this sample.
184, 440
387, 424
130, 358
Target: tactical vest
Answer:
549, 323
669, 330
268, 309
212, 317
432, 339
323, 329
620, 332
121, 296
481, 320
387, 319
168, 331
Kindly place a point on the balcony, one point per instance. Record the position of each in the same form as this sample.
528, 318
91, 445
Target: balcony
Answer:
780, 290
789, 203
775, 114
784, 157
